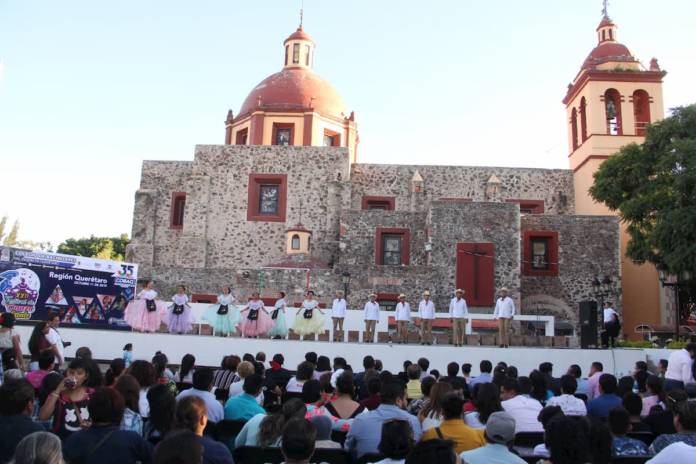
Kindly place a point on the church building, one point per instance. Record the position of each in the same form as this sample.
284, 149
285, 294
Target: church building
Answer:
285, 205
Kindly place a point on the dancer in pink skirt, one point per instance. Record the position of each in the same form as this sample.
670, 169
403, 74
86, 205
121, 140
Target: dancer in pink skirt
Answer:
256, 321
179, 317
145, 313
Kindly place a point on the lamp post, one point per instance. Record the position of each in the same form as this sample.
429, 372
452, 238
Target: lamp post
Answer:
603, 287
681, 281
345, 278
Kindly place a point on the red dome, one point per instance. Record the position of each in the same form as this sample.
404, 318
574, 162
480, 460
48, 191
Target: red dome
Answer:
295, 89
299, 34
608, 51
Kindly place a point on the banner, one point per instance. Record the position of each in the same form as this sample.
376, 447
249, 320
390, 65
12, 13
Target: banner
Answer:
81, 290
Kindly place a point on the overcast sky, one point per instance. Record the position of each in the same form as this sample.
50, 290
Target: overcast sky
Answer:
88, 89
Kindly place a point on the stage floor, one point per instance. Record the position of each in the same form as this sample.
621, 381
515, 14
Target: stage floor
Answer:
209, 350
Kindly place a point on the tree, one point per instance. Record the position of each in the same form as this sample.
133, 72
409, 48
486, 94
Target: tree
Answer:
11, 238
96, 247
653, 188
3, 224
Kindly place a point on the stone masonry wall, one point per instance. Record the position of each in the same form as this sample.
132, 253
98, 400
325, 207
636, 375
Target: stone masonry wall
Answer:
554, 186
587, 246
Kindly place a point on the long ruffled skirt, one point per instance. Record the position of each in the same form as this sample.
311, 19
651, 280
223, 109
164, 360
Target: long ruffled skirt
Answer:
280, 328
258, 328
179, 323
303, 326
222, 323
138, 317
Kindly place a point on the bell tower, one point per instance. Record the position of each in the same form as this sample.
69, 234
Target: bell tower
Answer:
608, 105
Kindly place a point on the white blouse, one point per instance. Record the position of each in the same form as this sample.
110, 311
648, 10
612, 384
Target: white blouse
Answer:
180, 299
255, 304
403, 311
310, 304
225, 299
339, 308
147, 294
280, 304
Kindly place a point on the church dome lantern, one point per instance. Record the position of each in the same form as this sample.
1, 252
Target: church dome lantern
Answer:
297, 240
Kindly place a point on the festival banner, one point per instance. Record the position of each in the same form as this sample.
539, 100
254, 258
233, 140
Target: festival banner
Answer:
83, 291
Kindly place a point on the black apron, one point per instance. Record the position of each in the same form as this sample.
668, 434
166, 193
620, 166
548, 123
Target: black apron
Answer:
178, 310
223, 310
150, 305
253, 314
307, 314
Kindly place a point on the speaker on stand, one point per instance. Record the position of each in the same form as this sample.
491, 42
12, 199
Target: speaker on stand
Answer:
588, 324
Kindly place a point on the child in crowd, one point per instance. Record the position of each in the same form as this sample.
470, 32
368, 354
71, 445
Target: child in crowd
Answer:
128, 354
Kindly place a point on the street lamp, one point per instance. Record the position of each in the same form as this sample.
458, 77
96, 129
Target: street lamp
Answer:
345, 278
681, 281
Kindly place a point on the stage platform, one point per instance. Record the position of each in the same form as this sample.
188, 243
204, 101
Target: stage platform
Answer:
209, 350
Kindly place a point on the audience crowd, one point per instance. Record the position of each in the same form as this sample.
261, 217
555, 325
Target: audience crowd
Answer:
140, 411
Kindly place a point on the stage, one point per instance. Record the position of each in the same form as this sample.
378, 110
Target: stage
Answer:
209, 350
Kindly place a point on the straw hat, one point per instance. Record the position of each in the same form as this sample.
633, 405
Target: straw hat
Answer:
459, 290
505, 289
372, 294
402, 296
426, 293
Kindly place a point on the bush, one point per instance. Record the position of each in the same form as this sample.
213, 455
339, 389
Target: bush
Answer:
634, 344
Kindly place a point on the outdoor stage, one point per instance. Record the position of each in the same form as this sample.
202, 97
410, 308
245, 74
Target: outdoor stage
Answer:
108, 344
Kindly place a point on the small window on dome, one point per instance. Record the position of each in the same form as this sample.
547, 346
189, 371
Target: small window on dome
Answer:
307, 55
295, 242
287, 50
295, 53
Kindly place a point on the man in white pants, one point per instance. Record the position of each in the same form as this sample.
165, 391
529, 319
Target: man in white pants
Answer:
403, 317
459, 314
371, 317
338, 315
426, 314
504, 312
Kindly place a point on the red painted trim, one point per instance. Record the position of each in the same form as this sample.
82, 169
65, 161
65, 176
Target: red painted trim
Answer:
203, 298
390, 202
228, 134
307, 129
455, 200
527, 269
405, 244
239, 137
172, 212
476, 274
388, 296
604, 76
618, 99
602, 157
336, 140
283, 125
537, 206
255, 181
256, 125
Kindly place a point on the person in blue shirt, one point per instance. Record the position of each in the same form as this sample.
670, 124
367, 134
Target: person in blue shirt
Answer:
485, 367
621, 445
366, 431
192, 415
202, 382
607, 399
245, 406
583, 384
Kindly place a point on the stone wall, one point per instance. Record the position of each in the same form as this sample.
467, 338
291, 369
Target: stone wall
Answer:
553, 186
587, 246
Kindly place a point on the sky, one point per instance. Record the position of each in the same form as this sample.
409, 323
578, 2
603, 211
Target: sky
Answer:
89, 89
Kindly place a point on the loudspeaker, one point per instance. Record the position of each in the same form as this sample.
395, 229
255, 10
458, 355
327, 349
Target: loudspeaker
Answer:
588, 324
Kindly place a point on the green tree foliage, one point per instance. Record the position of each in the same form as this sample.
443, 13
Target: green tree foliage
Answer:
96, 247
653, 188
11, 238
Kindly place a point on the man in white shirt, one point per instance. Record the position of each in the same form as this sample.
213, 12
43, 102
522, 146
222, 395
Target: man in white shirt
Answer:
54, 338
523, 409
674, 453
569, 404
679, 368
403, 317
611, 324
458, 313
426, 314
371, 317
504, 312
338, 315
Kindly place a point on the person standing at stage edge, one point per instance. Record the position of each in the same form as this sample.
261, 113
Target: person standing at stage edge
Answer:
371, 317
458, 313
403, 317
426, 314
504, 312
338, 315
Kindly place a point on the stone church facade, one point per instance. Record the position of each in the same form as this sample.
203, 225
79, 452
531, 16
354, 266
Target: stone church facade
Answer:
284, 205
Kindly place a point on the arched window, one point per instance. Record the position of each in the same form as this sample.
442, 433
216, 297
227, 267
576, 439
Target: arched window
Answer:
295, 242
574, 128
583, 119
612, 107
641, 110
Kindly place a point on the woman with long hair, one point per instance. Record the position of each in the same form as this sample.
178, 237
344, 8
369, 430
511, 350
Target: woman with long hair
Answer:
130, 390
655, 394
115, 370
159, 362
38, 344
67, 401
568, 440
265, 430
185, 374
144, 373
431, 415
486, 401
162, 405
9, 340
344, 407
540, 390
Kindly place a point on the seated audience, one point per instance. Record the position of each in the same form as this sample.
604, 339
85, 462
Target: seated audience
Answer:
678, 452
607, 398
654, 396
312, 397
600, 440
305, 372
68, 401
186, 369
583, 386
246, 406
366, 431
162, 405
499, 435
39, 448
486, 401
144, 373
433, 451
545, 416
485, 367
661, 421
46, 363
202, 383
179, 447
117, 367
374, 385
684, 423
552, 383
567, 440
276, 378
298, 441
343, 406
431, 415
453, 427
413, 386
265, 430
396, 442
624, 385
227, 374
192, 415
621, 445
596, 371
16, 408
633, 403
323, 426
569, 404
523, 409
103, 442
129, 389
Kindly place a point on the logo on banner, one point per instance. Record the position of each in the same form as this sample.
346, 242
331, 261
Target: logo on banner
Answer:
19, 289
